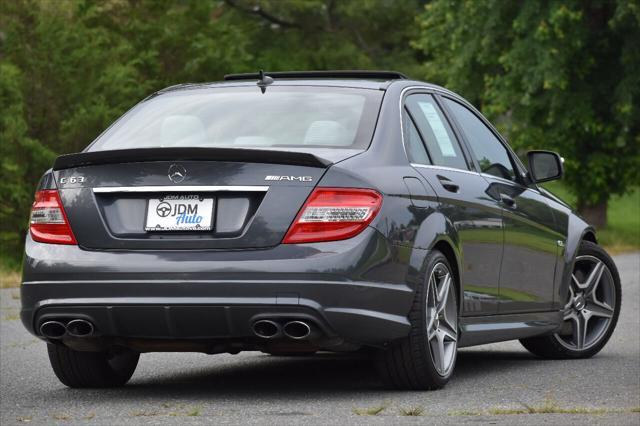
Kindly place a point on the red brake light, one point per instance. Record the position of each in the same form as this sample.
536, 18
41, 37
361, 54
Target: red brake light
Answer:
49, 223
332, 214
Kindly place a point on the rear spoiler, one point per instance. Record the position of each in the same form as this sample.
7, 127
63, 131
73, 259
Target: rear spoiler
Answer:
184, 154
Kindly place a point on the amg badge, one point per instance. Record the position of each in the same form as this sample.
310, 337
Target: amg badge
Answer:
290, 178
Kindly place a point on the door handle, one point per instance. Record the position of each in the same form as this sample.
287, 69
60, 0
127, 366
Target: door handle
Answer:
448, 184
507, 200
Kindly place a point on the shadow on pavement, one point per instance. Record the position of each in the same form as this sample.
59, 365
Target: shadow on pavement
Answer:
275, 378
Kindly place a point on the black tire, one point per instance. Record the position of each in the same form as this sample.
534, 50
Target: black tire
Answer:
92, 369
408, 364
550, 347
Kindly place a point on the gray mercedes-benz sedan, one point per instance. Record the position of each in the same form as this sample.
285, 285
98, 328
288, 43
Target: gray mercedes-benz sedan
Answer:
294, 212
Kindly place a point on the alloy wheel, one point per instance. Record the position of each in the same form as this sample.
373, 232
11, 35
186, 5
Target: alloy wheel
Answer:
591, 304
442, 319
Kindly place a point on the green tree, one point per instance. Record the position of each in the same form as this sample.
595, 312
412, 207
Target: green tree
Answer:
330, 34
20, 158
552, 74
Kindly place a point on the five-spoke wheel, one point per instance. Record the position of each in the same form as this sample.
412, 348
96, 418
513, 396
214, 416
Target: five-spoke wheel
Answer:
426, 358
591, 309
442, 319
591, 304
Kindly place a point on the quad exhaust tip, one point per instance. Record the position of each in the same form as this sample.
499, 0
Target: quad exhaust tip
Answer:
74, 328
297, 330
79, 328
266, 329
53, 329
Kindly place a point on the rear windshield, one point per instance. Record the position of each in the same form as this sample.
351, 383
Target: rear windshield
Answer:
243, 117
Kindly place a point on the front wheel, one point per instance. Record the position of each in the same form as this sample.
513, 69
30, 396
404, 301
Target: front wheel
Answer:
591, 310
92, 369
425, 359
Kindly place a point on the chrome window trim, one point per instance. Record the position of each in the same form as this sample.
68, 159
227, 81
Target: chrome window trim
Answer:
452, 169
458, 98
442, 91
191, 188
426, 90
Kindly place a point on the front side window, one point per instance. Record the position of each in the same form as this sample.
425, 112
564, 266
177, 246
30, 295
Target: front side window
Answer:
442, 146
243, 117
492, 156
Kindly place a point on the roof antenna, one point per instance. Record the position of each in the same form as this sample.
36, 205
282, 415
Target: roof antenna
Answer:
264, 81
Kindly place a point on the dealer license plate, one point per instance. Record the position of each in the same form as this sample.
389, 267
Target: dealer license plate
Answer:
179, 213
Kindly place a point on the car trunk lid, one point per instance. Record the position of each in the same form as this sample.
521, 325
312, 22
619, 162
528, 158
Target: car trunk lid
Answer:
251, 196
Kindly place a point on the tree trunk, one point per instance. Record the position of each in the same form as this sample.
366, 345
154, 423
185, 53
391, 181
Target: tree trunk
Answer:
595, 215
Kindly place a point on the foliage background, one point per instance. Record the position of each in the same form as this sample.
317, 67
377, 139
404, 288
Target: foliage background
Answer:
552, 74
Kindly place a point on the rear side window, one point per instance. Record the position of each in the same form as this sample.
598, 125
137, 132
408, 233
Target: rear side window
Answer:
492, 156
415, 148
243, 117
442, 146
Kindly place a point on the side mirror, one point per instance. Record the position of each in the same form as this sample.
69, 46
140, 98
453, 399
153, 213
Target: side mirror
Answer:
544, 166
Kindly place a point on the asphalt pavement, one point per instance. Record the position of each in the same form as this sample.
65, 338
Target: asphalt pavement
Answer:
494, 384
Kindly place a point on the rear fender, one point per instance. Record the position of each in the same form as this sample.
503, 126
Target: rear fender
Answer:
435, 230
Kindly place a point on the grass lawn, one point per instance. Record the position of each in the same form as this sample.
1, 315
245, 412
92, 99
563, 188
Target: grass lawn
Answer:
9, 278
623, 229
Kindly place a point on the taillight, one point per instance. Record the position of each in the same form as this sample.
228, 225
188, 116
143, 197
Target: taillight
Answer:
332, 214
49, 223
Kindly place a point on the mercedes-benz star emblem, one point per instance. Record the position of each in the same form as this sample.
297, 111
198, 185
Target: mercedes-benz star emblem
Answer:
177, 173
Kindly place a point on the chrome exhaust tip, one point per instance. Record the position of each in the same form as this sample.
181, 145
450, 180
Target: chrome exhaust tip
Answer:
79, 328
53, 329
266, 329
297, 330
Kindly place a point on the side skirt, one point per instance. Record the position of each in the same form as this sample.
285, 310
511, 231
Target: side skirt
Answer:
499, 328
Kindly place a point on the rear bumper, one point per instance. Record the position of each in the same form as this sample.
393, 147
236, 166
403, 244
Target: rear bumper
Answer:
351, 289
